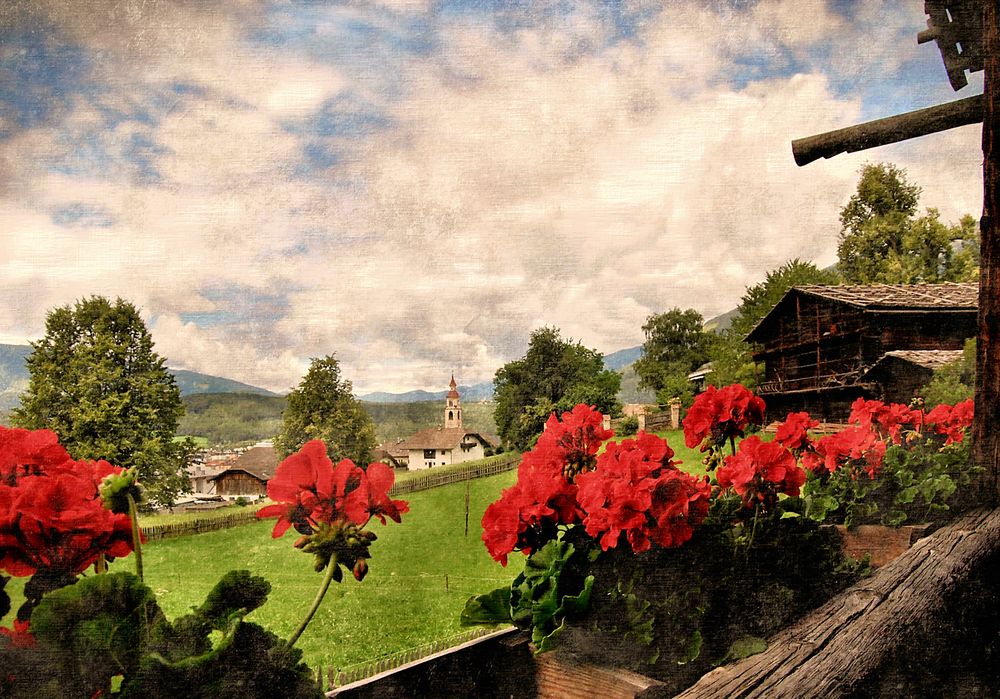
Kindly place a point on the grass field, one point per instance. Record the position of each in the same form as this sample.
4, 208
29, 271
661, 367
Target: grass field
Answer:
402, 603
148, 520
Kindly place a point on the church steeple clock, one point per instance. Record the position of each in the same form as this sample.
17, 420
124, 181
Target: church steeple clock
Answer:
453, 407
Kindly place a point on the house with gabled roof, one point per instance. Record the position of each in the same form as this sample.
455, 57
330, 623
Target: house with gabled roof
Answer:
451, 443
248, 475
822, 347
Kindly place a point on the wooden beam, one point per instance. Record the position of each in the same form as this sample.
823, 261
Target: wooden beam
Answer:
986, 429
882, 132
841, 646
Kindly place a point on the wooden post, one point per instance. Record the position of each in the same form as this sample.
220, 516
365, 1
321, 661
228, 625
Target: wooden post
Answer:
986, 429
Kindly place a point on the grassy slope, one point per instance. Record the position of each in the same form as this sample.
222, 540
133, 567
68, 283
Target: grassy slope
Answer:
401, 604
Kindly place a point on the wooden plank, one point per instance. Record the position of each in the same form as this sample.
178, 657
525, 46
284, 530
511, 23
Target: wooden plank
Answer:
562, 676
892, 129
985, 432
836, 649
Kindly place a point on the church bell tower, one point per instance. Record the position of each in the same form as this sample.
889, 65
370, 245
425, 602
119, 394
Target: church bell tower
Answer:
453, 407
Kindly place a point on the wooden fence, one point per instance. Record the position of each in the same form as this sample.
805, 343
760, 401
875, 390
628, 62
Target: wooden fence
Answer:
362, 671
154, 532
480, 469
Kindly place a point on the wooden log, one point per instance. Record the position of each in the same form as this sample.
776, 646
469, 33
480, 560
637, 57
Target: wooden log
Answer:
838, 648
985, 434
882, 132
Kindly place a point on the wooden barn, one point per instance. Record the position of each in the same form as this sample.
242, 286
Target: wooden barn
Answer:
249, 474
822, 347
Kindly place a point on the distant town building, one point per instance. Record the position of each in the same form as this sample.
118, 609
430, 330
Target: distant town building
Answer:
450, 444
248, 475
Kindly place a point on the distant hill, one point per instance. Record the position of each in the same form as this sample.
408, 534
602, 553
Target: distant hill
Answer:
231, 418
616, 361
473, 393
14, 379
13, 375
192, 382
723, 321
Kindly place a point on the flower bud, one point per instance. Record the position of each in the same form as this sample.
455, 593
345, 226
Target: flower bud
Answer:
116, 488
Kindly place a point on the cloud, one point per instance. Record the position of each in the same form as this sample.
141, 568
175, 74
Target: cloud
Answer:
415, 188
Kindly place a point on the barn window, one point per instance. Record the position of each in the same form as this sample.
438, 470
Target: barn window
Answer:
429, 454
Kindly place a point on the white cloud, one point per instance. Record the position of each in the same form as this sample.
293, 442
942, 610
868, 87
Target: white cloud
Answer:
524, 178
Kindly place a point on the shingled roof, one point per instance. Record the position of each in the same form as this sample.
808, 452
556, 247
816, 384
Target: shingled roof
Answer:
946, 296
899, 296
928, 359
441, 438
259, 462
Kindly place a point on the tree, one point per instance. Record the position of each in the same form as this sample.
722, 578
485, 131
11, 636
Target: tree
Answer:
953, 382
676, 344
97, 383
883, 241
553, 376
324, 407
731, 358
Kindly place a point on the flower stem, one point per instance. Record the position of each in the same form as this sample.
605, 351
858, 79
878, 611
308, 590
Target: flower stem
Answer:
136, 543
331, 568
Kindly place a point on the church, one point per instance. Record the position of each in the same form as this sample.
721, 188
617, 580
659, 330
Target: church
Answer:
450, 444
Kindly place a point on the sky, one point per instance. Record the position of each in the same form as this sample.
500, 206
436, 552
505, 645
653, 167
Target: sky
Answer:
415, 186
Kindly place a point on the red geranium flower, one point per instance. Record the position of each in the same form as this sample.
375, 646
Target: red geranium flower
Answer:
19, 636
887, 419
308, 489
545, 496
855, 448
952, 421
718, 415
793, 432
637, 493
760, 471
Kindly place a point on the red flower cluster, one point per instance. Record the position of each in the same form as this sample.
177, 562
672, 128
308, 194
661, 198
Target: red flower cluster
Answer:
633, 491
793, 432
855, 448
760, 471
720, 414
51, 513
887, 420
526, 515
636, 491
952, 421
310, 490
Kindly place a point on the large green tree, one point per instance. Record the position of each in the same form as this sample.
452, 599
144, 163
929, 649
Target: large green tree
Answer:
882, 240
324, 407
731, 359
553, 376
676, 344
96, 381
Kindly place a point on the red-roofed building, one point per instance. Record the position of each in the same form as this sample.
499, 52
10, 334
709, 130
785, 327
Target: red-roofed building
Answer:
451, 444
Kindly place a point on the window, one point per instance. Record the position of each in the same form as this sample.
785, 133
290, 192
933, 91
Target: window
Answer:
429, 454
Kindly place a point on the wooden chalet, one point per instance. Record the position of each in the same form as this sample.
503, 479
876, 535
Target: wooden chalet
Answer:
822, 347
249, 474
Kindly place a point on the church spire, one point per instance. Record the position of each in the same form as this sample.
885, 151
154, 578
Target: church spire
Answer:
453, 406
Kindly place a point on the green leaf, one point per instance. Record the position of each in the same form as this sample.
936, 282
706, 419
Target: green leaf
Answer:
491, 608
789, 515
743, 648
906, 495
693, 648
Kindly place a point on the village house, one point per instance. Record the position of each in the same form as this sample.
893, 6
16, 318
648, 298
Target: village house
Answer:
450, 444
248, 475
823, 347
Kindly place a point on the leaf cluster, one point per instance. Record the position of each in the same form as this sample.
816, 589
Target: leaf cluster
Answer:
918, 483
110, 626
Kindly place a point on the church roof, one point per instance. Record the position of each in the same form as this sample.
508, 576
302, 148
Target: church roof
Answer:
442, 438
453, 393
